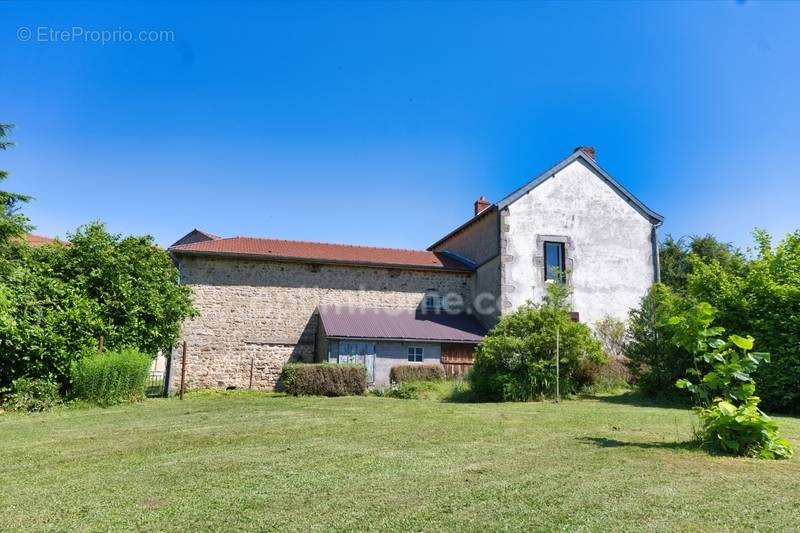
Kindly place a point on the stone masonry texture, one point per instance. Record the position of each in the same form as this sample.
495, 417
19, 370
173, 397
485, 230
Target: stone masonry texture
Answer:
261, 313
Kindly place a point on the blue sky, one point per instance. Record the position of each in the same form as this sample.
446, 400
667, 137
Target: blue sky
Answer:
381, 123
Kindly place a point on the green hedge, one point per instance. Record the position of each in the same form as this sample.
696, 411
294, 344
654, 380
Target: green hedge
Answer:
111, 377
324, 379
417, 372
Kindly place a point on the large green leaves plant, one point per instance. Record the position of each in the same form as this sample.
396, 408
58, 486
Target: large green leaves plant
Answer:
722, 381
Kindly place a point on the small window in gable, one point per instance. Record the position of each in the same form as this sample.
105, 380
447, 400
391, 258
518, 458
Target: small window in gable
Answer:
432, 301
554, 263
415, 354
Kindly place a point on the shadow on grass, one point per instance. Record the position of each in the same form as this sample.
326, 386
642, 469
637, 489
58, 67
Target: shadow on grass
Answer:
638, 399
603, 442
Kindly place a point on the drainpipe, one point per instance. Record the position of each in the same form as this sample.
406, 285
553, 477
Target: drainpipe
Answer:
656, 261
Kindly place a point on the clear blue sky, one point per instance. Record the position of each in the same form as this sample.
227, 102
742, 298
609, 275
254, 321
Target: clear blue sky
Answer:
382, 123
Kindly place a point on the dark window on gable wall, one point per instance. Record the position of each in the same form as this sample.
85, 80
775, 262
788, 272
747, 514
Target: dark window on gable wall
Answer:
554, 263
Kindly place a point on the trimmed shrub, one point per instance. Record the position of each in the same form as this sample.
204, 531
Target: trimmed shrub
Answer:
109, 378
324, 379
32, 395
423, 372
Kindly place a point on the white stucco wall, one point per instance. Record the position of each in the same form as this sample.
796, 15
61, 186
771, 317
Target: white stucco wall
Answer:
608, 244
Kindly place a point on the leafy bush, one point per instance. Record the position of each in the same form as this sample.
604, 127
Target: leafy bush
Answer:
516, 360
417, 372
729, 416
613, 336
761, 296
324, 379
655, 363
742, 430
109, 378
57, 300
31, 395
602, 377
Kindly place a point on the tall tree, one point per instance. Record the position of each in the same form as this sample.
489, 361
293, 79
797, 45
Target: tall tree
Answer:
677, 257
12, 222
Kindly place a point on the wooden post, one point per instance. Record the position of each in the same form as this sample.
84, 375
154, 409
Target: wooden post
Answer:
558, 357
101, 344
183, 371
252, 362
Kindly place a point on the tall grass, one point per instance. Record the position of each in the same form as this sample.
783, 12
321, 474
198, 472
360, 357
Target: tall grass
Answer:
109, 378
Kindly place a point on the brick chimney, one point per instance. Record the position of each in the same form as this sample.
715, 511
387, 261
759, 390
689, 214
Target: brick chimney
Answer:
588, 150
481, 204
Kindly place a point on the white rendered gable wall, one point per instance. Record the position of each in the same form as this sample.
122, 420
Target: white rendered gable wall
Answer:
609, 248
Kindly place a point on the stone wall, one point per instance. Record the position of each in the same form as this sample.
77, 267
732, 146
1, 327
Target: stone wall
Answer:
261, 313
478, 242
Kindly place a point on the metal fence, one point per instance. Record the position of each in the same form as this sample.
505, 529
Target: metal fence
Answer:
157, 384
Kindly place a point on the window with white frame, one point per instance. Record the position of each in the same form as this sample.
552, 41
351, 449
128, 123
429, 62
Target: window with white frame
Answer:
415, 354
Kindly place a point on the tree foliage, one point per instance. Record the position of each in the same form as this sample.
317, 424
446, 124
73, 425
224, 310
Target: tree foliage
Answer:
59, 299
653, 360
762, 297
12, 222
516, 360
678, 258
757, 292
612, 334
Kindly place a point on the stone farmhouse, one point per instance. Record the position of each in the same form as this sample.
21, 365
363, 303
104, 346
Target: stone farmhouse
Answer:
265, 302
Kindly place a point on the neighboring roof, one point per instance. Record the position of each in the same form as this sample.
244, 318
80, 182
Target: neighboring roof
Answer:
648, 213
317, 252
399, 324
39, 240
196, 235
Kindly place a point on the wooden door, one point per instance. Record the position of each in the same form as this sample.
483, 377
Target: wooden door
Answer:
457, 359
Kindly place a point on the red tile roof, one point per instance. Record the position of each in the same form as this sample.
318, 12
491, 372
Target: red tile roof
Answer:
399, 324
39, 240
318, 252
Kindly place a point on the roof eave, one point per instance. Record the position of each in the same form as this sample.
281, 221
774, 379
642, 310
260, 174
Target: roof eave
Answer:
406, 339
283, 259
648, 213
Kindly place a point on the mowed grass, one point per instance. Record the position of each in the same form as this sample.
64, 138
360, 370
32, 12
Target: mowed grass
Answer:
241, 461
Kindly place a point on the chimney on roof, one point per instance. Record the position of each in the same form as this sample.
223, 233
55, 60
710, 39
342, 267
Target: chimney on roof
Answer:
481, 204
588, 150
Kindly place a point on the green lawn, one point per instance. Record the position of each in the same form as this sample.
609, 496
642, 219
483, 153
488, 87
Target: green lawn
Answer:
254, 462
